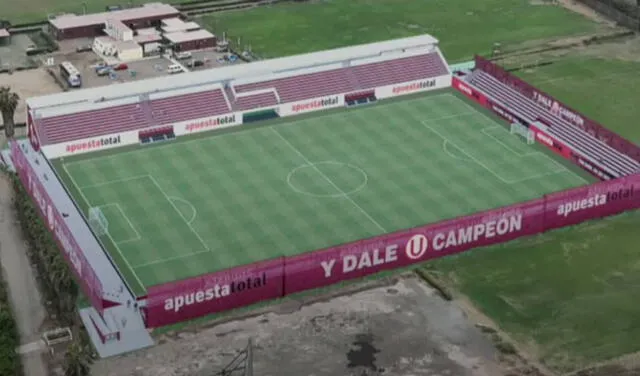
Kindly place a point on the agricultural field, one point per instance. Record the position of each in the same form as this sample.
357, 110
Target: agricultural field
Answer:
463, 27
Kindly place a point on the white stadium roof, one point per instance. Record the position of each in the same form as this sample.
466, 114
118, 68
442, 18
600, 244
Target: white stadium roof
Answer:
255, 69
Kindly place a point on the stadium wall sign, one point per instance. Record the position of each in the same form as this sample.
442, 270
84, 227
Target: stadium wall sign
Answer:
557, 107
541, 136
310, 105
220, 291
92, 144
207, 124
412, 87
216, 292
63, 236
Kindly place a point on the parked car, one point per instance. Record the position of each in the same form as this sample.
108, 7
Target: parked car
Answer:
84, 48
121, 66
100, 66
183, 55
174, 68
195, 63
103, 71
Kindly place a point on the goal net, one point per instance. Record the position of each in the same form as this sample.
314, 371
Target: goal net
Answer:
526, 133
98, 221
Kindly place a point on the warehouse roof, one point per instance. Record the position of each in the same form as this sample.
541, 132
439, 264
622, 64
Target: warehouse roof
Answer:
217, 75
188, 36
69, 21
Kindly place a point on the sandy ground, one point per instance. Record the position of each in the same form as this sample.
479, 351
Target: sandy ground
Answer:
401, 328
28, 83
23, 290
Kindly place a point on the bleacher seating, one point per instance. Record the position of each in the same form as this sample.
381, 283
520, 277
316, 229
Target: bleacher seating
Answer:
189, 106
573, 136
360, 77
400, 70
169, 110
306, 86
123, 118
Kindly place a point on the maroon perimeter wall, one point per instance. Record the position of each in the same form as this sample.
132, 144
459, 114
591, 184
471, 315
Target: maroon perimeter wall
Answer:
178, 301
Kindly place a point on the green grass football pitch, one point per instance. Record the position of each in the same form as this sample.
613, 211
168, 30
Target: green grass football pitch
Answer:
191, 207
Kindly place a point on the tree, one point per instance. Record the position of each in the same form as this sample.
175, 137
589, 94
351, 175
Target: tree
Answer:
8, 104
78, 360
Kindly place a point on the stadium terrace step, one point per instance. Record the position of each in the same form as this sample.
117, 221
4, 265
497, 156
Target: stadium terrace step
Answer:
306, 86
189, 107
564, 131
123, 118
360, 77
402, 70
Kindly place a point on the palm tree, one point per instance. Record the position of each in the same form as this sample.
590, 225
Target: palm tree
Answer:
8, 103
78, 360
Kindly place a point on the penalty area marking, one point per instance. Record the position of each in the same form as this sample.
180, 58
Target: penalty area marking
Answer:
194, 211
340, 193
126, 261
126, 218
169, 259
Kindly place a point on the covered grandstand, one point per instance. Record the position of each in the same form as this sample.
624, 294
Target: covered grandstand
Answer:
360, 70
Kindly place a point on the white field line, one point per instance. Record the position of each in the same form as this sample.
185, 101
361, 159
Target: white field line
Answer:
126, 218
115, 181
73, 181
286, 124
178, 211
546, 156
471, 157
328, 180
193, 208
169, 259
516, 153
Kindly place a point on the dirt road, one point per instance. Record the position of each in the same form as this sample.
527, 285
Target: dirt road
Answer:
23, 290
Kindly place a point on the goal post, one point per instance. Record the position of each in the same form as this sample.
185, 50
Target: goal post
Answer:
98, 222
526, 133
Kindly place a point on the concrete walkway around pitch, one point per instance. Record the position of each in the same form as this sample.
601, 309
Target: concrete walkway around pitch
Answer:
23, 292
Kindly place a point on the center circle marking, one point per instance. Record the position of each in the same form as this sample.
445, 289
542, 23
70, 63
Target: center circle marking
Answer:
365, 179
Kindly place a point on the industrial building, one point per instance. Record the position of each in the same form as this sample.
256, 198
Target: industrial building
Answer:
92, 25
190, 40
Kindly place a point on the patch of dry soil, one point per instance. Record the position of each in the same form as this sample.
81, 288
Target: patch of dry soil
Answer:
400, 328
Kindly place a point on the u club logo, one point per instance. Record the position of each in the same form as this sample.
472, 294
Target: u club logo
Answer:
417, 246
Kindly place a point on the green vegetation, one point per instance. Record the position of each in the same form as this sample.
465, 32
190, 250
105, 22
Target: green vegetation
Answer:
463, 27
612, 86
9, 338
572, 291
56, 279
27, 11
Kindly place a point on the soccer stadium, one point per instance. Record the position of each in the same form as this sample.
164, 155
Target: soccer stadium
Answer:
177, 197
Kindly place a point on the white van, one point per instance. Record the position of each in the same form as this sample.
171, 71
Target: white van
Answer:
174, 68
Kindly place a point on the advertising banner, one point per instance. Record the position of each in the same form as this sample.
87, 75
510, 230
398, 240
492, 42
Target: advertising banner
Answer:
591, 202
310, 105
90, 144
64, 238
404, 248
550, 142
560, 109
413, 87
207, 124
216, 292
